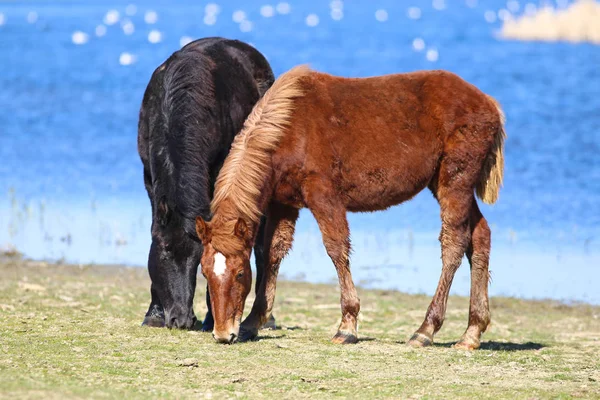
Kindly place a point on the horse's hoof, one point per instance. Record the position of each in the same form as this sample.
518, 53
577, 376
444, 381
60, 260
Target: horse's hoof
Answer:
420, 340
247, 334
270, 324
344, 338
207, 326
154, 321
467, 343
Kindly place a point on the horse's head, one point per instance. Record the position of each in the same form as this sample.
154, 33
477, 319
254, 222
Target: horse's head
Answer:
173, 265
226, 267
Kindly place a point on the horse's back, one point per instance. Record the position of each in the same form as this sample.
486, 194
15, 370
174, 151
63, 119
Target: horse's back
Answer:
403, 98
367, 133
400, 114
381, 138
225, 52
213, 60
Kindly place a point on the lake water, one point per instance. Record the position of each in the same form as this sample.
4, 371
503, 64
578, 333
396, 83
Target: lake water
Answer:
73, 77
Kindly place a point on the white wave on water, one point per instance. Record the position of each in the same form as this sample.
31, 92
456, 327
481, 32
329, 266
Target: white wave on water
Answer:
580, 22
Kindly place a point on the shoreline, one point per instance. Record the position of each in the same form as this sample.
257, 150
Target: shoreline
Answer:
141, 272
532, 264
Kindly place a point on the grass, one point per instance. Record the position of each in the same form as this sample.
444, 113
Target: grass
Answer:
74, 332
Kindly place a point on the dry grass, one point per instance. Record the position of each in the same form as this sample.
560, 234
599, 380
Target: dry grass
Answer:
74, 332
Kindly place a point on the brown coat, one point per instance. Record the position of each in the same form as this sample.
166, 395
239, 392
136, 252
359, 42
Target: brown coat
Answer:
334, 145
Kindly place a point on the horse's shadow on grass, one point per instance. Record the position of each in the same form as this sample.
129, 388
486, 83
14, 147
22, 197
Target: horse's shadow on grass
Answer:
289, 328
501, 346
260, 338
366, 339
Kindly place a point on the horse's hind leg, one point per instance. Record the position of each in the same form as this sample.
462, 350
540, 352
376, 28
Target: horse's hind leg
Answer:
478, 253
331, 217
455, 204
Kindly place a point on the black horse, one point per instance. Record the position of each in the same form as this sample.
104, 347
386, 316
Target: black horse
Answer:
194, 105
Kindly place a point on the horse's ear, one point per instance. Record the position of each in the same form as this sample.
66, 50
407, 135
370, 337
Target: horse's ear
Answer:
241, 229
163, 212
202, 230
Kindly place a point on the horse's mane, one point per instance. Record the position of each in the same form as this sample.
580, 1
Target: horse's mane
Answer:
185, 110
243, 174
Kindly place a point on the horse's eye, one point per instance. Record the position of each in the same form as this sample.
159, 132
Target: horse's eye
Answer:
240, 275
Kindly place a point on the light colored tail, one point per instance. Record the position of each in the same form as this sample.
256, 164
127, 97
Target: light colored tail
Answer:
243, 173
492, 174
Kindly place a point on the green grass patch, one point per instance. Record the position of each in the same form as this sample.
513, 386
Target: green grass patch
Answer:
74, 332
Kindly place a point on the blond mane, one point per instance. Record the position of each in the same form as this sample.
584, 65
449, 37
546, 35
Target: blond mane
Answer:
243, 174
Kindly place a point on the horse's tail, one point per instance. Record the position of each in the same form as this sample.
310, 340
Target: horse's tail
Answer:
243, 171
490, 180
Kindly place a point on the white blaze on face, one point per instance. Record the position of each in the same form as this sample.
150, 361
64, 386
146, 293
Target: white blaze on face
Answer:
219, 266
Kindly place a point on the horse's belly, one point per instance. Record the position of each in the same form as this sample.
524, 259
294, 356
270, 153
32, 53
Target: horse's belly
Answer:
373, 197
383, 182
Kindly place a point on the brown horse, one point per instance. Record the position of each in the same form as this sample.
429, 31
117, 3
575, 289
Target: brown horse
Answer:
334, 145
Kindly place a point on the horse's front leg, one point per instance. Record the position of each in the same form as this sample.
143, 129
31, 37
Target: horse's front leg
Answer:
209, 322
334, 228
259, 258
279, 234
331, 217
155, 317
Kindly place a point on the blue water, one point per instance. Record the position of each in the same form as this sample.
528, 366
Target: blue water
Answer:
70, 177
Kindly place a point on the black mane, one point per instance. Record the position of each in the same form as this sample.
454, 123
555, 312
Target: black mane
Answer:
194, 105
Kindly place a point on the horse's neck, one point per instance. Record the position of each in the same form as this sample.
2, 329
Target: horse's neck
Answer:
228, 213
266, 193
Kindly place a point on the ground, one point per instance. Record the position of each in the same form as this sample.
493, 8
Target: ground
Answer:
74, 332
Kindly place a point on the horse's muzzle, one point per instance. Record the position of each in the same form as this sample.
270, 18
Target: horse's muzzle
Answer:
225, 338
180, 320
